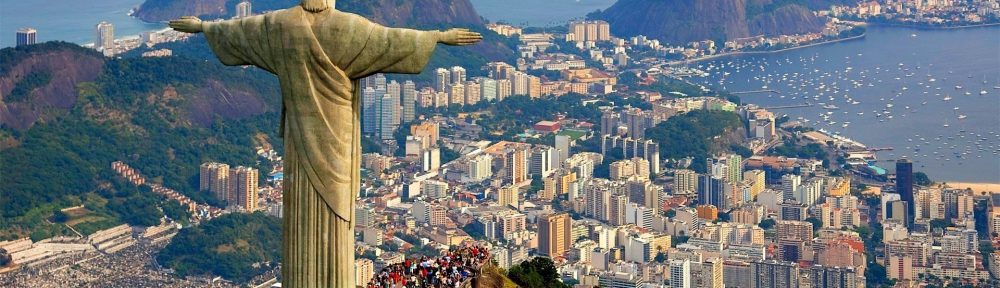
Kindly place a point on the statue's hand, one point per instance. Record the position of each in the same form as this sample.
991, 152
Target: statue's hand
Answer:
187, 24
460, 37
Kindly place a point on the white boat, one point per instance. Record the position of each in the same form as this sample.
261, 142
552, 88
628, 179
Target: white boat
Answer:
962, 116
946, 98
983, 92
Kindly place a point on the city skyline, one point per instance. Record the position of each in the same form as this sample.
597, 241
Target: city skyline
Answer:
609, 160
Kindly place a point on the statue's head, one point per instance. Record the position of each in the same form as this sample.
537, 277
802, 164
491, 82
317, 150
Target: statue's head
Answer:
318, 5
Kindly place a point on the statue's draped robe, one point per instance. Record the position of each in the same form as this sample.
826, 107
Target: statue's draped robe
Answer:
318, 58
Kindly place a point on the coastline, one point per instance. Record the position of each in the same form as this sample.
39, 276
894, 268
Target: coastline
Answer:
985, 188
741, 53
928, 27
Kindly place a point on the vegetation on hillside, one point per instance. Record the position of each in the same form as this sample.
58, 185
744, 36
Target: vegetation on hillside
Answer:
697, 134
538, 272
235, 246
124, 115
791, 149
516, 113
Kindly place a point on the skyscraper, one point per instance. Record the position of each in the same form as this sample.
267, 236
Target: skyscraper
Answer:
554, 234
504, 89
214, 178
243, 183
26, 36
516, 165
774, 274
711, 190
387, 119
442, 77
380, 80
243, 9
488, 89
790, 185
685, 182
833, 277
409, 101
472, 92
520, 83
368, 122
680, 273
456, 92
541, 161
457, 74
904, 186
105, 33
396, 90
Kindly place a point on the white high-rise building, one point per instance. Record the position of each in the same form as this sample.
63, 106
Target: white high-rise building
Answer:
472, 93
685, 182
809, 192
243, 9
541, 161
504, 89
27, 36
380, 80
387, 119
790, 185
680, 273
457, 75
368, 114
105, 37
442, 77
562, 150
456, 92
520, 82
409, 101
481, 167
488, 89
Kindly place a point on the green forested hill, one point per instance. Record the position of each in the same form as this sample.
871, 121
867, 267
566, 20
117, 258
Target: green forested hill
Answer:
226, 246
163, 116
696, 134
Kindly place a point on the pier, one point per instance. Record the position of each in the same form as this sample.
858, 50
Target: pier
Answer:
756, 92
877, 149
789, 106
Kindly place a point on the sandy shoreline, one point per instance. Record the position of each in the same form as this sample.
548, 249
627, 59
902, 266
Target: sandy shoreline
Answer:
976, 187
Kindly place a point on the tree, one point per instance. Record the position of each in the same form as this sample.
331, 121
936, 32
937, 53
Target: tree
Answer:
5, 257
660, 257
670, 213
920, 178
537, 272
817, 224
767, 223
939, 223
59, 216
229, 246
175, 211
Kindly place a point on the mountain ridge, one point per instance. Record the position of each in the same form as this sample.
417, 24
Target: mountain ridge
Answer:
683, 21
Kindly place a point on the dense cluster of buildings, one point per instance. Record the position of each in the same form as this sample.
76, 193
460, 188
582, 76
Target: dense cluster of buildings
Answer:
923, 12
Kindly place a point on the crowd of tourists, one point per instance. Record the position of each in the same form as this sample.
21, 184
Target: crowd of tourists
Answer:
451, 270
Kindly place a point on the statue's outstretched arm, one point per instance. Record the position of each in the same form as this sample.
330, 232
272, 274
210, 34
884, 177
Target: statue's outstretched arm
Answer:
459, 37
188, 24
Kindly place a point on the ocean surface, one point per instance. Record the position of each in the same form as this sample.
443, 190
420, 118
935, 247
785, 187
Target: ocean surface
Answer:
931, 95
69, 20
538, 13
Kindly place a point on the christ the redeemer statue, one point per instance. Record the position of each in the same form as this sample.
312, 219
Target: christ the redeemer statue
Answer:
319, 54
